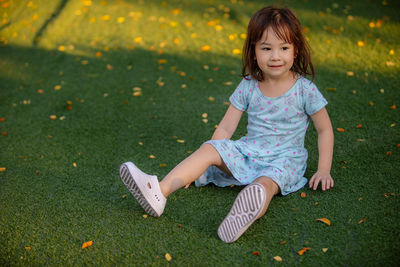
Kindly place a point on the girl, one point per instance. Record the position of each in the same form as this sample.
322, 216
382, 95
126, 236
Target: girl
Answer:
271, 159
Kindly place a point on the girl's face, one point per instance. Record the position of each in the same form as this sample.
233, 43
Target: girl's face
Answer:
274, 56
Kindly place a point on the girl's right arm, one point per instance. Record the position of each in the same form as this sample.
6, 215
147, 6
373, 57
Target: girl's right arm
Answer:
228, 124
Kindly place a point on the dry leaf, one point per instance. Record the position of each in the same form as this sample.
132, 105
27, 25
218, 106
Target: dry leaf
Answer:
324, 220
145, 216
168, 257
301, 251
362, 220
28, 248
53, 117
205, 48
303, 194
152, 156
340, 130
277, 258
283, 242
359, 126
2, 169
87, 244
256, 253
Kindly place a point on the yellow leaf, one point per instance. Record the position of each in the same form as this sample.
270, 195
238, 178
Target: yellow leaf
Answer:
28, 248
360, 43
236, 51
205, 48
152, 156
204, 115
180, 141
324, 220
303, 194
277, 258
211, 99
362, 220
324, 250
168, 257
350, 73
145, 216
53, 117
2, 169
301, 252
87, 244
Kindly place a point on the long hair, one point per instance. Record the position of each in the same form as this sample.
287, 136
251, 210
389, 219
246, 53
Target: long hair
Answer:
287, 27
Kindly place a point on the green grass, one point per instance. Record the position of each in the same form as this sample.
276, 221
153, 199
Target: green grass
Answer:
52, 207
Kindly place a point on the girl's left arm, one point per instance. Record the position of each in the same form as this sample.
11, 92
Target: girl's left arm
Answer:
323, 126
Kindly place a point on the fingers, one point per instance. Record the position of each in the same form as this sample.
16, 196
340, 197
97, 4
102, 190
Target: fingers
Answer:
187, 186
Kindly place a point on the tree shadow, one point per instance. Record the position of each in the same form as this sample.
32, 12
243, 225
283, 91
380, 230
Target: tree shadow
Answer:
48, 21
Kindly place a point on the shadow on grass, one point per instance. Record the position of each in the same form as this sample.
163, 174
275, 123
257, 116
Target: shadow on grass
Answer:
106, 124
49, 20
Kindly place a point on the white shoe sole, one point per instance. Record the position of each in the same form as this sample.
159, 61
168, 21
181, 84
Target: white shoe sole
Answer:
144, 188
245, 210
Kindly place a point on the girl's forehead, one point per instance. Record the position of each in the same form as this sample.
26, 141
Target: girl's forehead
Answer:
270, 33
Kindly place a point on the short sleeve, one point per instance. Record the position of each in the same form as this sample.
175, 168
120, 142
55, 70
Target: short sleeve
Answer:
240, 97
314, 101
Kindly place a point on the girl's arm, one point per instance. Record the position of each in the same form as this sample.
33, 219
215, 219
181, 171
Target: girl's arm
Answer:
323, 126
228, 124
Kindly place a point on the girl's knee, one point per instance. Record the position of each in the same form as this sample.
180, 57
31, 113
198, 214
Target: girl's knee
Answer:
211, 153
270, 185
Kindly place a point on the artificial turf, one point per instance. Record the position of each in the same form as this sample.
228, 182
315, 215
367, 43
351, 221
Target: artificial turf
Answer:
132, 81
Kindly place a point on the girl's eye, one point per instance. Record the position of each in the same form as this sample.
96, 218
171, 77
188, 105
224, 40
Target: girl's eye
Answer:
285, 48
266, 48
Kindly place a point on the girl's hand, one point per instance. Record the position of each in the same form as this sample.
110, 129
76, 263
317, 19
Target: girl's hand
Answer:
324, 177
187, 186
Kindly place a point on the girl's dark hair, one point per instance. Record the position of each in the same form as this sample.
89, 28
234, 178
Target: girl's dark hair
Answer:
287, 27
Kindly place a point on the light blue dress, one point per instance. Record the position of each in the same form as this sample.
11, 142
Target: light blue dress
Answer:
274, 145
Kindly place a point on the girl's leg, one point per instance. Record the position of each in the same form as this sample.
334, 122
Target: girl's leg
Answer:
191, 168
250, 205
271, 188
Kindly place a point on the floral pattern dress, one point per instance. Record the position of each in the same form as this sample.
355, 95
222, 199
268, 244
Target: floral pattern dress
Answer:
274, 145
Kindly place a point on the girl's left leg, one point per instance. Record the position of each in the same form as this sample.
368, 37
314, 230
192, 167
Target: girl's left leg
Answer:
251, 204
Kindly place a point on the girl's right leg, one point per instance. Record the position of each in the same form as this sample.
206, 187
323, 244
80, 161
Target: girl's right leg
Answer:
152, 194
191, 168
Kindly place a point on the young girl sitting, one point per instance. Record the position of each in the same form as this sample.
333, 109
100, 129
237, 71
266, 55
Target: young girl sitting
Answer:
271, 159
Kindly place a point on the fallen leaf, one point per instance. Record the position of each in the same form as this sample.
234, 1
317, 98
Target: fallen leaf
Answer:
53, 117
87, 244
359, 126
211, 98
28, 248
123, 196
350, 73
256, 253
389, 153
2, 169
180, 141
324, 220
361, 43
152, 156
205, 48
331, 89
163, 165
340, 130
362, 220
301, 251
277, 258
324, 250
168, 257
371, 103
393, 107
145, 216
74, 164
303, 194
282, 242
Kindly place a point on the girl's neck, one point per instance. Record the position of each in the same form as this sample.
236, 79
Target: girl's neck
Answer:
271, 87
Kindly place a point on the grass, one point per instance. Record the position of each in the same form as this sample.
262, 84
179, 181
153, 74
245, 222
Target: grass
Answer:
61, 185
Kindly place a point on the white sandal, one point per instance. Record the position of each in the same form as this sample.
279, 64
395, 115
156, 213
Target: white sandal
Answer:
145, 188
245, 210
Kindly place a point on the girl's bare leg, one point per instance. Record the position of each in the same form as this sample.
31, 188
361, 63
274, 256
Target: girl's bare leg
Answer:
271, 188
192, 168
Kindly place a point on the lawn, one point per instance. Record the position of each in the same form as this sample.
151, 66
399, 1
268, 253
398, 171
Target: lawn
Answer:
87, 85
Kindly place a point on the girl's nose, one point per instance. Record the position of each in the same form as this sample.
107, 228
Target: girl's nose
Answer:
275, 55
